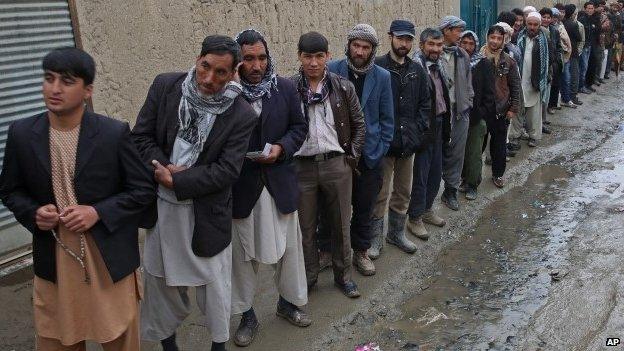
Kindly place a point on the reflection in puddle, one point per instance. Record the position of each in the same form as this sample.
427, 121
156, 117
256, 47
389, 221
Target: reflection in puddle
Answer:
492, 281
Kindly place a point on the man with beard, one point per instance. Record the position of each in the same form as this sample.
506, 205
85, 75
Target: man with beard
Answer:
458, 79
411, 120
374, 90
428, 160
483, 108
534, 46
508, 94
194, 130
327, 159
265, 228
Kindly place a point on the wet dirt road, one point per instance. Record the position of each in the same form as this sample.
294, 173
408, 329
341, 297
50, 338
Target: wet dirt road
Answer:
537, 265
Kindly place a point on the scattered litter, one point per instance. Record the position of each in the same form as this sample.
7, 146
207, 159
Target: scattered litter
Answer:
410, 346
371, 346
431, 316
618, 209
557, 274
524, 215
611, 188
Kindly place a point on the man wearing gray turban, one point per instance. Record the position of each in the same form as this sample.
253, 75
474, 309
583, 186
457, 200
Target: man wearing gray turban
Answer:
456, 69
374, 90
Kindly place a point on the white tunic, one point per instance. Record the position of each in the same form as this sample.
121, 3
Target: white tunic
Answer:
168, 253
531, 95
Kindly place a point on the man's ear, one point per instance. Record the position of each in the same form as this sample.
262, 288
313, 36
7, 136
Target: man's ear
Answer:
88, 91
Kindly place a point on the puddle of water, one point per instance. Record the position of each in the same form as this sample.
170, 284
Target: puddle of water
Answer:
489, 284
479, 277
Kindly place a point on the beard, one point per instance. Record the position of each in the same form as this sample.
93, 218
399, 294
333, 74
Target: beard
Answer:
400, 51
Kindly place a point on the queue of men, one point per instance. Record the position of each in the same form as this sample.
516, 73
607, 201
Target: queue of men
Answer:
230, 166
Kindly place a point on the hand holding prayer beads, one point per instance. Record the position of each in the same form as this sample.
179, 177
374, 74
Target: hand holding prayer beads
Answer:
79, 218
47, 217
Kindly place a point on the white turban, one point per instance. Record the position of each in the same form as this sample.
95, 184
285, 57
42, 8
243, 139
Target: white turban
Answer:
529, 9
508, 31
506, 27
535, 15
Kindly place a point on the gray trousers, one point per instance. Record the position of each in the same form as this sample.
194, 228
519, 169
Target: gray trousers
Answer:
164, 308
453, 152
534, 121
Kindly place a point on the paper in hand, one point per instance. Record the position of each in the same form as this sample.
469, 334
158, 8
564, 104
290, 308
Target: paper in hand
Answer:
254, 155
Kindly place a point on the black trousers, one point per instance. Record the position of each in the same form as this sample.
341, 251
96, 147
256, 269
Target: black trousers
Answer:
366, 188
555, 86
594, 65
497, 132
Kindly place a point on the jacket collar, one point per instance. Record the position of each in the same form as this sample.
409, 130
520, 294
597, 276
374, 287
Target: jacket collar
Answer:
40, 140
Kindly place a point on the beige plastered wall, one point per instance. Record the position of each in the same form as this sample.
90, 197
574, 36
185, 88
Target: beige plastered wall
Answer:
133, 41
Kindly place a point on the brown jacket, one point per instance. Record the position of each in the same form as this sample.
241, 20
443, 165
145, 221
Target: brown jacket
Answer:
508, 86
348, 116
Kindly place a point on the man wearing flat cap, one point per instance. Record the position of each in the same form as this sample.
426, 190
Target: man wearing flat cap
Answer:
458, 79
373, 87
412, 106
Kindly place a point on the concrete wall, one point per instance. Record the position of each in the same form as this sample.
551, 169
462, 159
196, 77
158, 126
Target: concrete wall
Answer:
133, 41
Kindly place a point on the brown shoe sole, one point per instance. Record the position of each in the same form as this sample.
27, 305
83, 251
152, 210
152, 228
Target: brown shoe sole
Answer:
433, 223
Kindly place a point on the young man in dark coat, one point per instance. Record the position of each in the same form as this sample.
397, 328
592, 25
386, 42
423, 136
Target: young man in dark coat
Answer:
75, 180
194, 130
412, 106
483, 106
328, 159
508, 94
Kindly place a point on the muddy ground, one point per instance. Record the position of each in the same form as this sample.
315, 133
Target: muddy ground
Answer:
536, 265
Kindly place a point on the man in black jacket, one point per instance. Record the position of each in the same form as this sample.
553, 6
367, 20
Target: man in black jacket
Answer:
265, 228
194, 129
483, 107
411, 119
75, 180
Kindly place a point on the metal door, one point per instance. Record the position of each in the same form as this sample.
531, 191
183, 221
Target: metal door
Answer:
479, 15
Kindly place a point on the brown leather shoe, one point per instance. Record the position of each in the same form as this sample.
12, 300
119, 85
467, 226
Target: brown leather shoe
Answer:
363, 263
431, 218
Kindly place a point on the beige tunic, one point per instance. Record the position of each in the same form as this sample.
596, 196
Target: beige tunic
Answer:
72, 310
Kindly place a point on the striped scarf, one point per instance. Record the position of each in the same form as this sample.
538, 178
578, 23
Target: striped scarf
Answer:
542, 41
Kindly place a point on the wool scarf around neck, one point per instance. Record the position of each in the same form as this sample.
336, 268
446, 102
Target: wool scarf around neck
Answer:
197, 112
542, 42
253, 92
367, 67
492, 55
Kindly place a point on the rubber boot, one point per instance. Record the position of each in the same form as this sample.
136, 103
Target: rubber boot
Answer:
396, 232
377, 244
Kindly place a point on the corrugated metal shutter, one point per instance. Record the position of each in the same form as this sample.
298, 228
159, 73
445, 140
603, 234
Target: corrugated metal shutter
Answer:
28, 30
